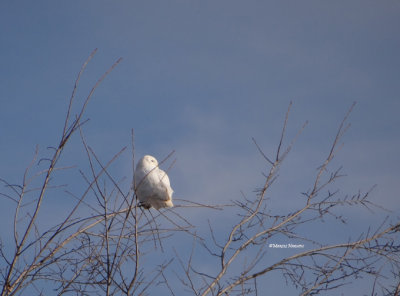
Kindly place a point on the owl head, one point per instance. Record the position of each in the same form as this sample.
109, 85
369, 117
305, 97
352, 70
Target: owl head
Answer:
149, 161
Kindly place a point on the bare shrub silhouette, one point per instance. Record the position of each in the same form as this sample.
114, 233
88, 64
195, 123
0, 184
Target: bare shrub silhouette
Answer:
104, 243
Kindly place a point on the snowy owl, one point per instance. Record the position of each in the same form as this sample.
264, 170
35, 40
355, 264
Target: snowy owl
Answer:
152, 184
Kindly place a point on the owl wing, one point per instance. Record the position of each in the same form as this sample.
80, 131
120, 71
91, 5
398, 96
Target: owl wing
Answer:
165, 184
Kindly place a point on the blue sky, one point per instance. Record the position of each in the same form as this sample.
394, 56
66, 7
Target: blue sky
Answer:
202, 78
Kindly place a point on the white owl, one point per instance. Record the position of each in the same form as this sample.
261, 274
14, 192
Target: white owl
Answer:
152, 184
